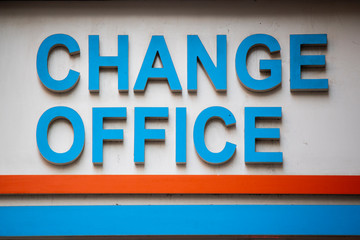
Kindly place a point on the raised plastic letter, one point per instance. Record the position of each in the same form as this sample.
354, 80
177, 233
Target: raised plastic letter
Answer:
158, 47
42, 63
100, 134
42, 135
252, 133
197, 52
274, 66
120, 62
297, 61
142, 134
199, 130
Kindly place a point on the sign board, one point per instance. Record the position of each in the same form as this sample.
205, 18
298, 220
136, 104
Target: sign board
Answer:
115, 98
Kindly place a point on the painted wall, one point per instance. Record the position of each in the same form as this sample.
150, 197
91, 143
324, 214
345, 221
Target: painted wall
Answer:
319, 131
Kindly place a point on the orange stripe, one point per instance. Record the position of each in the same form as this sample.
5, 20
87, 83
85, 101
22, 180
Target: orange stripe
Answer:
179, 184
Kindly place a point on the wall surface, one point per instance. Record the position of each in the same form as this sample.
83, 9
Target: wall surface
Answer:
319, 130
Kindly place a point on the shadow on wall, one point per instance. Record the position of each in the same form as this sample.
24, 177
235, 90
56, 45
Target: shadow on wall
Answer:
198, 8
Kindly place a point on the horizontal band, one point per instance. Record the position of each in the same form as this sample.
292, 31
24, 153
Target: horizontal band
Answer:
179, 184
180, 220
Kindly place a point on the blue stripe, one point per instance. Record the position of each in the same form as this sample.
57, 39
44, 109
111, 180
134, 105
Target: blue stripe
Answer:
180, 220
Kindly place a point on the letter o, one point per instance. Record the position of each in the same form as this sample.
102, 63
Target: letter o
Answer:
76, 148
